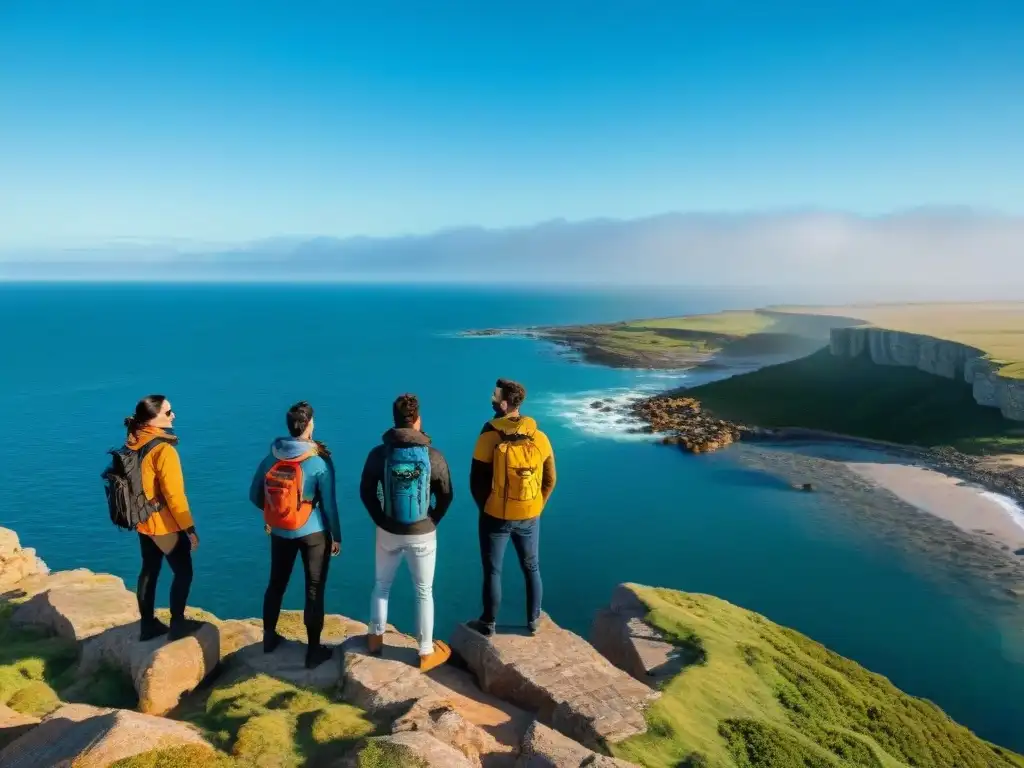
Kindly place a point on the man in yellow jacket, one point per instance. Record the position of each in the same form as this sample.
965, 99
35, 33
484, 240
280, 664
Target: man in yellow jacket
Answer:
511, 479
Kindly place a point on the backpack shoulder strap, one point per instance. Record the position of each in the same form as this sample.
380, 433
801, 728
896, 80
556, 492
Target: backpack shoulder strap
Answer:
145, 450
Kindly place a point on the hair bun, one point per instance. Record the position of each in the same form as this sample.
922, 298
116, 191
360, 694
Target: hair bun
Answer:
129, 423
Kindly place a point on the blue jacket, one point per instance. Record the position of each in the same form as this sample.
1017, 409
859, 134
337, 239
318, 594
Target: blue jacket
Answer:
317, 486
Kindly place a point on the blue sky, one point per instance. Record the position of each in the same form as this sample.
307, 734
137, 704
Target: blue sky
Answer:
232, 121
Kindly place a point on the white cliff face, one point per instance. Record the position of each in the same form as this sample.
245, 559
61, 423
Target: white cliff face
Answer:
948, 359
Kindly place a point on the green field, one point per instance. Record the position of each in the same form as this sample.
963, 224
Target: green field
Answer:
857, 397
764, 696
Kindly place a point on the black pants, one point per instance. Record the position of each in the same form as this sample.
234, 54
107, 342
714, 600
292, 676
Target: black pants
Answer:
494, 536
316, 557
180, 561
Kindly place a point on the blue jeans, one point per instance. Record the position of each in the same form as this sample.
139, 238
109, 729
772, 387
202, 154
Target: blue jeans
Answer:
494, 536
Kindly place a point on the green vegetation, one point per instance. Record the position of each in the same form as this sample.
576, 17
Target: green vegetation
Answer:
857, 397
266, 721
35, 669
768, 697
383, 754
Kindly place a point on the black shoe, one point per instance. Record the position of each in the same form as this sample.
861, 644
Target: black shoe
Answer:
317, 655
183, 628
152, 629
485, 628
271, 642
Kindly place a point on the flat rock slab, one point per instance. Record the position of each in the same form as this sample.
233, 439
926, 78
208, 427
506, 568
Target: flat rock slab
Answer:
43, 581
14, 725
546, 748
562, 678
161, 671
92, 737
288, 663
78, 611
622, 634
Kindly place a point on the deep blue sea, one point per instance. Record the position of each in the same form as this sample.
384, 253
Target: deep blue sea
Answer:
232, 359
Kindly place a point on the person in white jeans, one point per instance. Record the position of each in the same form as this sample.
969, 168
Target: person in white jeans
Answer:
400, 479
420, 552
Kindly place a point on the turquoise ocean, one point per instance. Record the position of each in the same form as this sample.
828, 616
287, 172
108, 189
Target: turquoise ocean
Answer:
74, 360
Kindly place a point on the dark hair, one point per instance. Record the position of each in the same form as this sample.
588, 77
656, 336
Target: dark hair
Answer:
298, 418
512, 392
147, 409
405, 410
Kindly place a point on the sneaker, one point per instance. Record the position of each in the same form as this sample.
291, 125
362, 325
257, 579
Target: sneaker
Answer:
533, 627
317, 655
152, 629
374, 644
271, 642
183, 628
482, 627
439, 656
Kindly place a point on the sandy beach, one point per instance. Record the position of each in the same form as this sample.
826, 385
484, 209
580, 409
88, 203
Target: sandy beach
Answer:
968, 507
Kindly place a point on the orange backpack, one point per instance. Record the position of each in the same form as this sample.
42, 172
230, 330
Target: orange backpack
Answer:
283, 506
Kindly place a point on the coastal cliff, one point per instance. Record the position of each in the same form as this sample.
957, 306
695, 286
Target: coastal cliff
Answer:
939, 357
668, 679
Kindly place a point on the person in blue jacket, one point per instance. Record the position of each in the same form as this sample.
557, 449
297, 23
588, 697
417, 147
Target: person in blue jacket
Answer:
295, 488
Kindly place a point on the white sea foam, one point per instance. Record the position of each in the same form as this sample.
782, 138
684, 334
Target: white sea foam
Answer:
1013, 509
612, 418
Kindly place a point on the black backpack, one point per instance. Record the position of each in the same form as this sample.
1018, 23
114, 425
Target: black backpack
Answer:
126, 500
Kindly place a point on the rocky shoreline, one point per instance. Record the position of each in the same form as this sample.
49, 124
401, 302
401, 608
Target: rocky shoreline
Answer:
683, 422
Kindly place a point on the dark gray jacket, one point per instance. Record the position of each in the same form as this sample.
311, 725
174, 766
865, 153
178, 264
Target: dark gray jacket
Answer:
371, 485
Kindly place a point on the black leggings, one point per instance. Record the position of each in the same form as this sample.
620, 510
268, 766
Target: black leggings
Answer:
316, 557
180, 561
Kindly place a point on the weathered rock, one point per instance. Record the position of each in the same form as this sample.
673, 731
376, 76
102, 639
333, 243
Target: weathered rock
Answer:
446, 703
78, 611
562, 678
161, 671
236, 635
16, 562
384, 684
622, 635
14, 725
545, 748
438, 718
43, 581
92, 737
417, 748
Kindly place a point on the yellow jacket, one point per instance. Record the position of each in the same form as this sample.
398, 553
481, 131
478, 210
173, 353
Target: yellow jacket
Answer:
162, 482
481, 476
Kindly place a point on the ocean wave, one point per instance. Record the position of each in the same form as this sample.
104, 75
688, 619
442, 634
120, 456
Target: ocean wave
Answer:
611, 418
1013, 509
577, 412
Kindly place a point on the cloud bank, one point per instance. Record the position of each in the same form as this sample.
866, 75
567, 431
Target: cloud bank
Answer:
929, 247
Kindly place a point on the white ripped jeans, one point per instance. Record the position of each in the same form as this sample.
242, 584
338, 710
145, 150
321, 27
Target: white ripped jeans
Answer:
420, 552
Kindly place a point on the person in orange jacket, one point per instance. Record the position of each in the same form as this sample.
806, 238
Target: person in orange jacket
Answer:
169, 533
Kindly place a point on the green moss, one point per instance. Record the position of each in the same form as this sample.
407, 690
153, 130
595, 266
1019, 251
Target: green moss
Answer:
35, 698
769, 696
857, 397
264, 721
384, 754
190, 756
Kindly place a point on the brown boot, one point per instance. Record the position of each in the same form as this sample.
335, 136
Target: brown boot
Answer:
375, 644
440, 655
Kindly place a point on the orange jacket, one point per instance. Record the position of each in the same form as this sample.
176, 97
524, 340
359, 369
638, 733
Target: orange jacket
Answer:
162, 482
